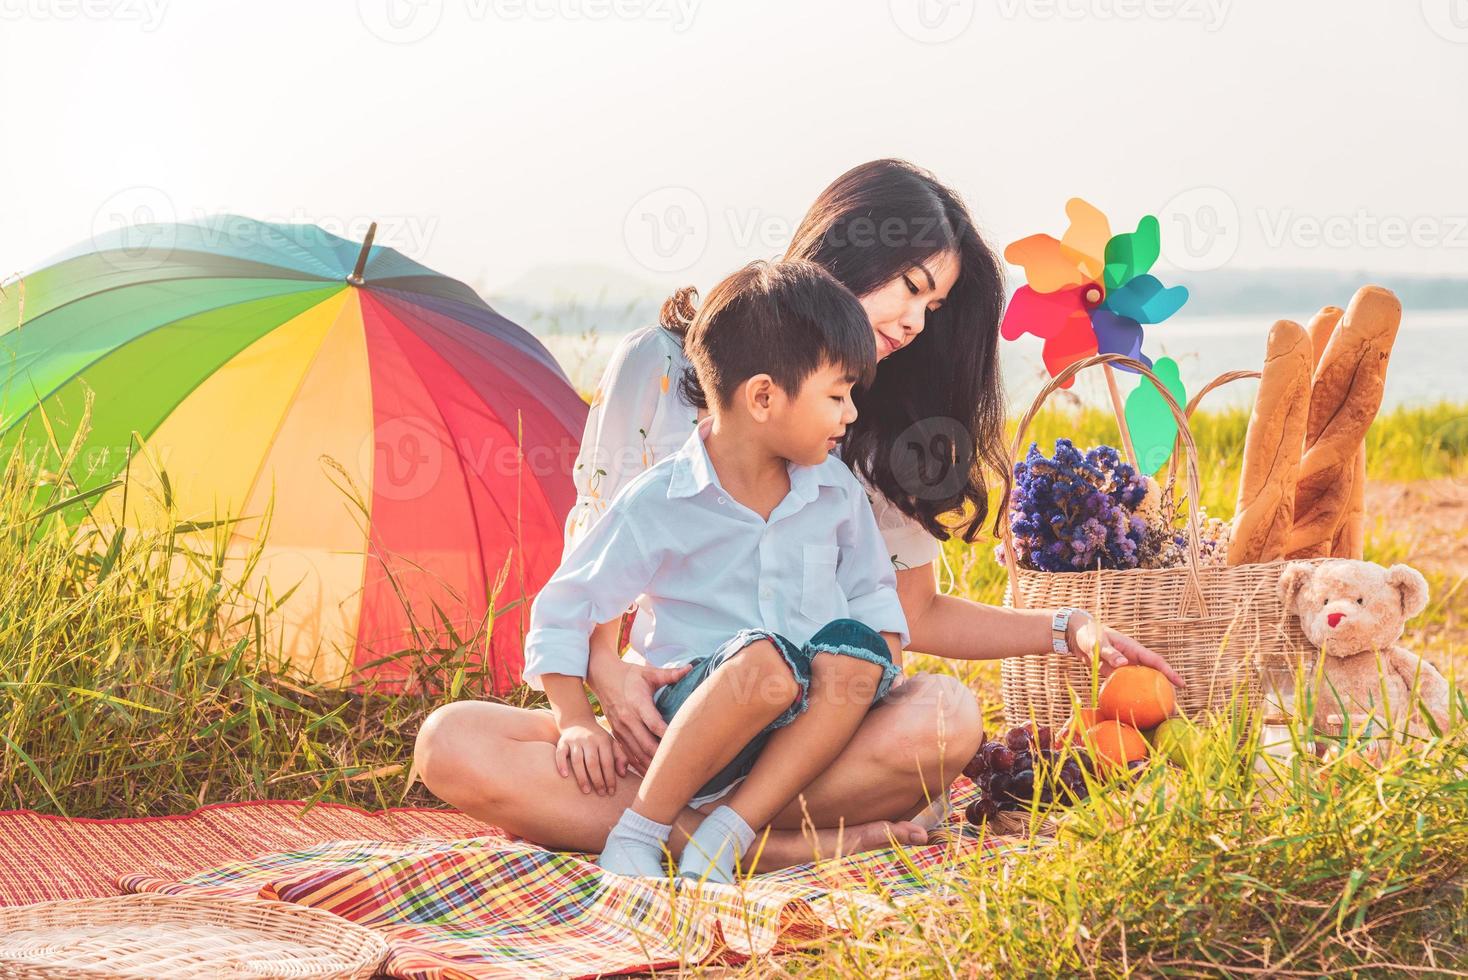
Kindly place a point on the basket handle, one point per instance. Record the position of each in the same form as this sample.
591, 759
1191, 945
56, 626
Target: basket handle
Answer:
1227, 377
1185, 437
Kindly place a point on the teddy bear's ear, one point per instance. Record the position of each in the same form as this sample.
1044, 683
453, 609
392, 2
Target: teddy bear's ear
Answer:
1296, 576
1409, 582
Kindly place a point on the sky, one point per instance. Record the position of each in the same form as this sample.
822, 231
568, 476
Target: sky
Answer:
668, 141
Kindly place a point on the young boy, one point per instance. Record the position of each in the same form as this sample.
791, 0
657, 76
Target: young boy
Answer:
754, 554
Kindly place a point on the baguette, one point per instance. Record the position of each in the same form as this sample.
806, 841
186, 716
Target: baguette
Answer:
1272, 447
1322, 325
1344, 399
1350, 537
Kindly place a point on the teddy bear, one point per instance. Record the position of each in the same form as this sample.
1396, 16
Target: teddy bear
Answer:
1355, 611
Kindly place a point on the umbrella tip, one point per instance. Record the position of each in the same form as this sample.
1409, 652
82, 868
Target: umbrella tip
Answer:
356, 277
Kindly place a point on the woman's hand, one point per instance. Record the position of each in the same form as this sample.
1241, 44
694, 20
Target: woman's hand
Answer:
625, 692
1086, 635
586, 751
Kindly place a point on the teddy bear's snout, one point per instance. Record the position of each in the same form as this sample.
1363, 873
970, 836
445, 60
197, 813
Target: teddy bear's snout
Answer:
1334, 619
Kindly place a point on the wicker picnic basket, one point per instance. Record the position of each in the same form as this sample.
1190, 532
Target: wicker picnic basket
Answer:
1219, 627
151, 936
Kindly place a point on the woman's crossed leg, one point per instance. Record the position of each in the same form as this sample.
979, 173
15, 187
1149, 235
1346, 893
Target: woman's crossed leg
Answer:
496, 763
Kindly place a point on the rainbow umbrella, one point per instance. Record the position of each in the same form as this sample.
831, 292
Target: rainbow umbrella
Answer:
397, 453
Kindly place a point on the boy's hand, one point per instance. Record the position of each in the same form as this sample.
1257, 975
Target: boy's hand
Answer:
588, 752
625, 692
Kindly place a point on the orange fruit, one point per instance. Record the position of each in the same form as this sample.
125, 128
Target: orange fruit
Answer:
1074, 729
1117, 743
1140, 696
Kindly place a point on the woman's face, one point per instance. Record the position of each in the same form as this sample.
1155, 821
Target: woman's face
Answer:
898, 309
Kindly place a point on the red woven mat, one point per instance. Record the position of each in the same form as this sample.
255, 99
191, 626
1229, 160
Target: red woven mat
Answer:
44, 857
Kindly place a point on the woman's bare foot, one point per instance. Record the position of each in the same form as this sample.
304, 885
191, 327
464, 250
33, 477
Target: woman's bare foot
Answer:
783, 848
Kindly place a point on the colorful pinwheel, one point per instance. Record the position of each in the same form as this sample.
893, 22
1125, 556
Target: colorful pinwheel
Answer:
1089, 292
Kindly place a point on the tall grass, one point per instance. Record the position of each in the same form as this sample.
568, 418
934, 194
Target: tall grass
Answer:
1280, 868
136, 678
1343, 867
131, 688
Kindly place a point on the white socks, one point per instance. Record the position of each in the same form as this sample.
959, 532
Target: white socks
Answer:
635, 846
715, 846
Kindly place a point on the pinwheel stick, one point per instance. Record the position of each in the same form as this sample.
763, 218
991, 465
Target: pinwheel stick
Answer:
1119, 408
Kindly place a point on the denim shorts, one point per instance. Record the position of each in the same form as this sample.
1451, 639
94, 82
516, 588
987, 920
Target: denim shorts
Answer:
840, 637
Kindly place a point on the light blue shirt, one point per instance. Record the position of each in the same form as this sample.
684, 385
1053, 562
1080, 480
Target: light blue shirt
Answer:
703, 566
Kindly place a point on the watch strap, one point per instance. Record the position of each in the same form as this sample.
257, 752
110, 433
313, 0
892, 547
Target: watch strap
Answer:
1059, 627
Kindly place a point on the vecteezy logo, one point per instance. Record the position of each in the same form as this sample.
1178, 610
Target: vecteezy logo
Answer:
932, 21
932, 458
1200, 229
400, 21
405, 458
667, 230
1447, 18
135, 225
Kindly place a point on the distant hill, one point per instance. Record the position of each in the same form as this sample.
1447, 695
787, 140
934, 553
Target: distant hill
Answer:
573, 300
1297, 292
572, 318
569, 300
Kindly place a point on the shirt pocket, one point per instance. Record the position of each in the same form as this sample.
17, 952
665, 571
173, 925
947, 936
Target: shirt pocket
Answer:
821, 598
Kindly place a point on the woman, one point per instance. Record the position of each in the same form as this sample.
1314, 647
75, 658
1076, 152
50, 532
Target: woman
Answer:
927, 442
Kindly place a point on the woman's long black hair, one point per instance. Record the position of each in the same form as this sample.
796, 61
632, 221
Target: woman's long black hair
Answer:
929, 431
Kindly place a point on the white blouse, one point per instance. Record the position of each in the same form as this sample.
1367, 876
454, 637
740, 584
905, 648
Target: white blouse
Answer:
638, 417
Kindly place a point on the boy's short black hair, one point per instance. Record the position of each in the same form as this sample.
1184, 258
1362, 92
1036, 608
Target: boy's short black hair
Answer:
785, 319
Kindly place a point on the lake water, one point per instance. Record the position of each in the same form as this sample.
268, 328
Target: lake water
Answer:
1429, 362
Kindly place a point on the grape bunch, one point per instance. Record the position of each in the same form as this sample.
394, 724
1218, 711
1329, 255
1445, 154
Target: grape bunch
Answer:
1008, 770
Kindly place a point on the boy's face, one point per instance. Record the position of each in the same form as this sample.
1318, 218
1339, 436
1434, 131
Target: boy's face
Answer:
805, 427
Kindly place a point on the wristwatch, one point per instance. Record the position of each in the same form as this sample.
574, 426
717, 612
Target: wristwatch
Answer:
1059, 626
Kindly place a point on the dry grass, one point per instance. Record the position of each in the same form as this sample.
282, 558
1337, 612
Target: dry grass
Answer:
120, 699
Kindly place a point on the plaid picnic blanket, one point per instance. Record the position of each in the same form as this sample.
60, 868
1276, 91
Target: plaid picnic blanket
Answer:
46, 857
495, 907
